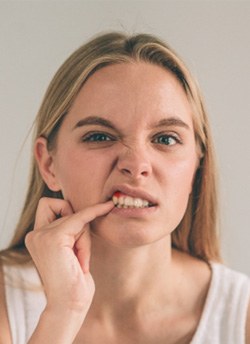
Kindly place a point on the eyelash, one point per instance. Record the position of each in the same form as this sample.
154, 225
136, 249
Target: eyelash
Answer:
93, 137
171, 136
98, 137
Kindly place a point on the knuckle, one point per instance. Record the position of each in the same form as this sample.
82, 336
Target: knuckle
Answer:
43, 201
56, 204
27, 239
39, 239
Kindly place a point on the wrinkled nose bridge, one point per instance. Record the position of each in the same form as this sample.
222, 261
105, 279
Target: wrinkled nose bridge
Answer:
133, 160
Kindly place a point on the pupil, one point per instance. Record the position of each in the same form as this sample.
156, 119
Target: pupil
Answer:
167, 140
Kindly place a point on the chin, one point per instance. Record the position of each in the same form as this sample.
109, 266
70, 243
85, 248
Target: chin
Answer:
127, 234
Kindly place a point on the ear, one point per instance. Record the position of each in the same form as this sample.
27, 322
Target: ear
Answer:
45, 163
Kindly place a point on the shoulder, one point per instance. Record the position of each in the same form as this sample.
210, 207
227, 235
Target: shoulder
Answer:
5, 335
226, 311
248, 326
232, 285
231, 296
231, 282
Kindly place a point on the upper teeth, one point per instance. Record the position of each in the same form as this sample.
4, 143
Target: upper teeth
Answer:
129, 202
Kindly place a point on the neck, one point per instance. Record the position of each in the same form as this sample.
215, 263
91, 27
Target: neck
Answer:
140, 278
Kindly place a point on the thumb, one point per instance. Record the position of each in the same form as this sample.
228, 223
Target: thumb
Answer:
83, 250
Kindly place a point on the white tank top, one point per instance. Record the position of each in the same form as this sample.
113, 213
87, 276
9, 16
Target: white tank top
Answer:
223, 320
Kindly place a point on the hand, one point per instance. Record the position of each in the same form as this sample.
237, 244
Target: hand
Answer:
60, 249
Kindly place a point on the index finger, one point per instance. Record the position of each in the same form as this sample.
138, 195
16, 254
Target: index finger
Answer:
74, 225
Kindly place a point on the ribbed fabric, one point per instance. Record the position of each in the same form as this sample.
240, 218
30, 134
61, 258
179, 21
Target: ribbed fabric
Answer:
223, 320
25, 301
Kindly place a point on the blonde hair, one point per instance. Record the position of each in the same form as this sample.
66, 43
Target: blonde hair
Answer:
197, 232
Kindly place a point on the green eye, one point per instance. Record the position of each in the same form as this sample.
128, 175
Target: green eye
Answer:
168, 140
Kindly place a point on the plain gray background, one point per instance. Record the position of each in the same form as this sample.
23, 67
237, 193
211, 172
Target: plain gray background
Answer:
213, 37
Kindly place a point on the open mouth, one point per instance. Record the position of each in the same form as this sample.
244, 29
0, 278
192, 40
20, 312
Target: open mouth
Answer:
122, 200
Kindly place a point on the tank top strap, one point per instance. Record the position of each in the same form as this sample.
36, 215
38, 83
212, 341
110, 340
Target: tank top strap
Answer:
224, 316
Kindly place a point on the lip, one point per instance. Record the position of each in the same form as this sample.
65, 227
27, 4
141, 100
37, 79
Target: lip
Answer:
134, 212
133, 192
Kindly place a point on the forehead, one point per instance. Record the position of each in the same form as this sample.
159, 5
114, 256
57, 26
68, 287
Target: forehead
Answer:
133, 91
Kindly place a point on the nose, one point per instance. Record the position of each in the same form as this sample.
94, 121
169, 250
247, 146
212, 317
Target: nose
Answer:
134, 163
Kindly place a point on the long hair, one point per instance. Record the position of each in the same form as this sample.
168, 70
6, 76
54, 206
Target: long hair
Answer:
197, 232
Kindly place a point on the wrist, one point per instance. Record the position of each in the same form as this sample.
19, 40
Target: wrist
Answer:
57, 325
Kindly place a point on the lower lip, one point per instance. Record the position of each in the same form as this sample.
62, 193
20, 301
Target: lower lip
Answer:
133, 212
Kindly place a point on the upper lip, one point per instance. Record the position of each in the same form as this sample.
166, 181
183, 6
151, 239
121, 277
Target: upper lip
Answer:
133, 192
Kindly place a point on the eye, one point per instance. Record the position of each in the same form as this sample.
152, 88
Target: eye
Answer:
97, 137
167, 139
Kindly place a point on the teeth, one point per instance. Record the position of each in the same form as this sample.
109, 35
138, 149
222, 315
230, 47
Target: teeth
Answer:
129, 202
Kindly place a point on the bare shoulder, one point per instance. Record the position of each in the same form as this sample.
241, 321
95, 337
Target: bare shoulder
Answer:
197, 276
248, 326
5, 336
197, 269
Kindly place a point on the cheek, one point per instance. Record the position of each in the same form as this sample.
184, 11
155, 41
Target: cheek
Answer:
77, 174
179, 183
178, 186
185, 176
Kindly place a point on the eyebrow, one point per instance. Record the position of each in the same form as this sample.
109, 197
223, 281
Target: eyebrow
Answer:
172, 121
96, 120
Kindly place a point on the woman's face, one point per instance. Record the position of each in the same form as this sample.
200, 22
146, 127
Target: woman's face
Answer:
130, 130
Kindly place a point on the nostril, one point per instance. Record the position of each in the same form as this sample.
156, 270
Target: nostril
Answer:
134, 165
135, 172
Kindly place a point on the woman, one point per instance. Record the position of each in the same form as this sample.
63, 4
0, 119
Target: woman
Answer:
120, 219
